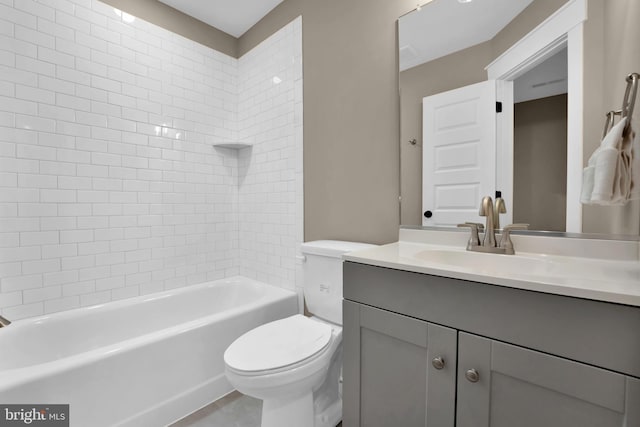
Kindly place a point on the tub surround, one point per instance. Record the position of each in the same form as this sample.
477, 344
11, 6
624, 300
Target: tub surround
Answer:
270, 173
436, 335
156, 359
111, 186
598, 269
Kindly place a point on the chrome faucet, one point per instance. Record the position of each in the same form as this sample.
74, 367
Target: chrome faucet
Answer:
4, 322
488, 243
499, 207
486, 209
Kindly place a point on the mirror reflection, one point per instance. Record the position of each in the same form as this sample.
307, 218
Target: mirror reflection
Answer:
448, 44
540, 145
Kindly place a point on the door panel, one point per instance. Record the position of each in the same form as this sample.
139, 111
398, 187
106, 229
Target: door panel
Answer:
473, 398
441, 343
398, 384
459, 152
393, 381
561, 375
526, 388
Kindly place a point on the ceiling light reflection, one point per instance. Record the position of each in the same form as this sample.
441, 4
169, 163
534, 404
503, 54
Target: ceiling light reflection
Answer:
124, 15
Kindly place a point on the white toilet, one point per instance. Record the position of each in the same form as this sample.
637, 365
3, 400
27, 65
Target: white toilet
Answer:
294, 364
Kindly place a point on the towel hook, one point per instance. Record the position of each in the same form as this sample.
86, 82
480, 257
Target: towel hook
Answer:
629, 100
608, 124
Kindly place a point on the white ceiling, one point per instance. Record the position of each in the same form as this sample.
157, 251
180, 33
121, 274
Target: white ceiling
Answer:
233, 17
442, 27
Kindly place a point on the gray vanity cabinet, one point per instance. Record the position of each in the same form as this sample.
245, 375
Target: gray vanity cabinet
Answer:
401, 371
429, 351
515, 386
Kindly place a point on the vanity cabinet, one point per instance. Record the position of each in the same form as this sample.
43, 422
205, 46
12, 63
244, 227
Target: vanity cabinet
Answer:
422, 350
520, 387
395, 382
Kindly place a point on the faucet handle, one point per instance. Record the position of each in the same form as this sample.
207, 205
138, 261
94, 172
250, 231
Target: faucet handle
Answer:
474, 240
505, 240
4, 322
516, 227
470, 224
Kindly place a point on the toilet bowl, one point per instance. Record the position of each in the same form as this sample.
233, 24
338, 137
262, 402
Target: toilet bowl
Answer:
294, 364
287, 377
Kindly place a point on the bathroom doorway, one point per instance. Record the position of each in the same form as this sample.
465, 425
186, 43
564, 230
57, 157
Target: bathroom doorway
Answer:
540, 145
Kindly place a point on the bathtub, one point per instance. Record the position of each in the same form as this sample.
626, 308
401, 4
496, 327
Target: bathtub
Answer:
145, 361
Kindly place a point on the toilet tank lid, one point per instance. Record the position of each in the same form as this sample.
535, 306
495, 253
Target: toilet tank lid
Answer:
332, 248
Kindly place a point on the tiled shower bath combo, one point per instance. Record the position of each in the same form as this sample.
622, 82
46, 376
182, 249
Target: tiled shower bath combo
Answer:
118, 183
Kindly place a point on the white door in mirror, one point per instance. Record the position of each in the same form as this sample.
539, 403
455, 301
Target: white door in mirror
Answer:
459, 153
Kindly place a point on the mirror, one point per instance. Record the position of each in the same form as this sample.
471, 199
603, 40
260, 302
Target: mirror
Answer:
436, 58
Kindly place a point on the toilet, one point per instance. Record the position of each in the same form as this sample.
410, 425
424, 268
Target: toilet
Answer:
294, 364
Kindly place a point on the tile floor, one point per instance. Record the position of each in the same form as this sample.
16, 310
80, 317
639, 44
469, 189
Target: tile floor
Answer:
233, 410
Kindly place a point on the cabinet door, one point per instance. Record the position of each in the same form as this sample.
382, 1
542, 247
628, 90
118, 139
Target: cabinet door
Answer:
390, 376
525, 388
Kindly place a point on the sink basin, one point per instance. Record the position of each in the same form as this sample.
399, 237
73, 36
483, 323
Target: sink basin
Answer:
485, 262
532, 266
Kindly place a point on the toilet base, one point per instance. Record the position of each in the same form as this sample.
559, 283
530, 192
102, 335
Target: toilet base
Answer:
331, 416
288, 412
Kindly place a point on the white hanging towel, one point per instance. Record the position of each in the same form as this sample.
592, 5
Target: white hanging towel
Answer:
607, 178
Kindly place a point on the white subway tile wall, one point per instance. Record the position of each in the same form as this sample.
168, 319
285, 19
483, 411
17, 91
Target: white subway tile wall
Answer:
270, 173
109, 184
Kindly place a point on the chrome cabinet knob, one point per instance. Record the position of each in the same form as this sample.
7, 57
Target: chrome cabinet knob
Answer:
472, 375
438, 363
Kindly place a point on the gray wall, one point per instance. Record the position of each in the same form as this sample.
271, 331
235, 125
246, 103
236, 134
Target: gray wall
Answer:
522, 24
540, 157
611, 35
351, 123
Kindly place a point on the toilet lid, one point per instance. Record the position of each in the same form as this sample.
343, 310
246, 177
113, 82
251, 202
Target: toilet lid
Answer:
277, 344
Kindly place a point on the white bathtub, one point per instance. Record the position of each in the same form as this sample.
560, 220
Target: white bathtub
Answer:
145, 361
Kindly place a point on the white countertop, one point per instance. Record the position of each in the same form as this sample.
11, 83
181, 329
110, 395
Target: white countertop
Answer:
610, 271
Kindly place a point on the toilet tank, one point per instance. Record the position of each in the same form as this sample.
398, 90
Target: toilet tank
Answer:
322, 276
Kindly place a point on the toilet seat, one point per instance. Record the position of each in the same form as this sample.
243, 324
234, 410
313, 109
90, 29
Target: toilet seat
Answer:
278, 345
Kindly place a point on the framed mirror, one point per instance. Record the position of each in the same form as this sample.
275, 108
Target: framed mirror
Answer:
544, 168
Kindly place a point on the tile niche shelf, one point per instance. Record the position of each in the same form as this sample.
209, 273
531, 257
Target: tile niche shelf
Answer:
231, 144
